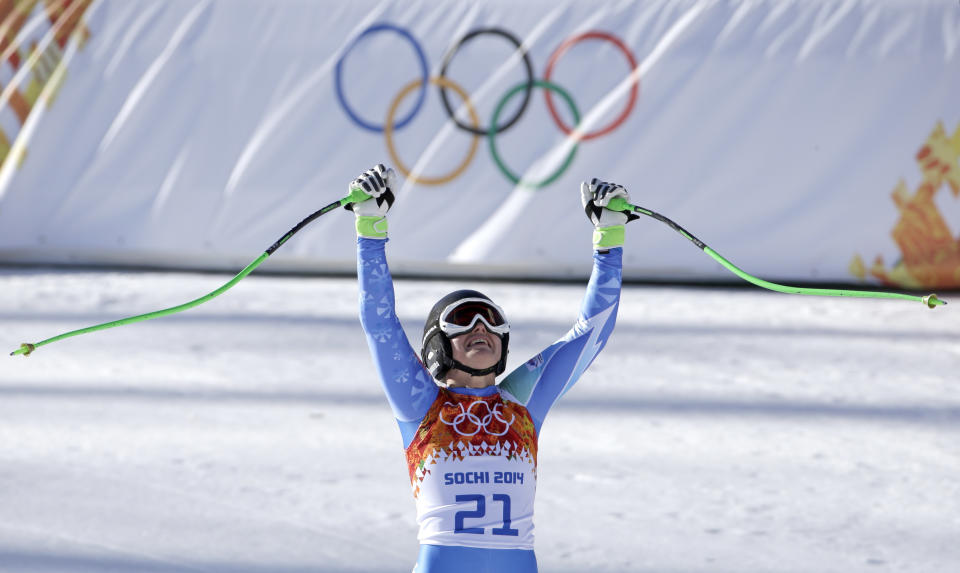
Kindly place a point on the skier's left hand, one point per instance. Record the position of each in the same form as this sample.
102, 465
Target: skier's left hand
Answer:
596, 195
608, 224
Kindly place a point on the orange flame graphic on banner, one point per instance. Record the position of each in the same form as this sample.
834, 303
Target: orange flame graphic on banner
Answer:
20, 30
930, 254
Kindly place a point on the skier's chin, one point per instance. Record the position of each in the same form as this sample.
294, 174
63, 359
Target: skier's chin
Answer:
480, 358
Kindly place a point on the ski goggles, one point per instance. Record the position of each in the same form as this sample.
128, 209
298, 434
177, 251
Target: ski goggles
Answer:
461, 317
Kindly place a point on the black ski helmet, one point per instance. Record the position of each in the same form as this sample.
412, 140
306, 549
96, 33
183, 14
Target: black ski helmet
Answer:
436, 351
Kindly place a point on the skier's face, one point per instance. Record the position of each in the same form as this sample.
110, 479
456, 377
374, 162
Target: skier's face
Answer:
478, 348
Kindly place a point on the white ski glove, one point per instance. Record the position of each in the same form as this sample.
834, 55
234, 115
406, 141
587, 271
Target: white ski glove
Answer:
608, 225
372, 213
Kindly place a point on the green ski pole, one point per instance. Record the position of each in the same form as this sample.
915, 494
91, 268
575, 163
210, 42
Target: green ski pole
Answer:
355, 196
619, 204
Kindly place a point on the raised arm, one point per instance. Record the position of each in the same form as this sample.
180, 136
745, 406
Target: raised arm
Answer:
409, 387
550, 374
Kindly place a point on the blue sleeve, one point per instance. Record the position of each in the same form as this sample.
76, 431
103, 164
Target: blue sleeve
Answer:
409, 387
550, 374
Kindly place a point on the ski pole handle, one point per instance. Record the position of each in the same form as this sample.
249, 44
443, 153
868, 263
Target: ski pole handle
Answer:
620, 204
357, 195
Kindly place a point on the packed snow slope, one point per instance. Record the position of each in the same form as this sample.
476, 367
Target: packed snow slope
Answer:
720, 431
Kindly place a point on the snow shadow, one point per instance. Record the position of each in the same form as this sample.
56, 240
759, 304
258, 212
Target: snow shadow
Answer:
17, 561
14, 561
412, 324
633, 404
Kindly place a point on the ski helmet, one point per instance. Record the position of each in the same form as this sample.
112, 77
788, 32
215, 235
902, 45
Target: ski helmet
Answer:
437, 352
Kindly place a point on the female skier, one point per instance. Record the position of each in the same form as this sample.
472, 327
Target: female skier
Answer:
471, 443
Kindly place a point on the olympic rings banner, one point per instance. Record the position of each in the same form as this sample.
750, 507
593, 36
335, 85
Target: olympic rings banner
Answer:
805, 141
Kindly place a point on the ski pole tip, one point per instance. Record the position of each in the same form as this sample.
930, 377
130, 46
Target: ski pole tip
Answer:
932, 301
26, 348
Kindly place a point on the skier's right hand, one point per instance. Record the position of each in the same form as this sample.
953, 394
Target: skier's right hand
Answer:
371, 213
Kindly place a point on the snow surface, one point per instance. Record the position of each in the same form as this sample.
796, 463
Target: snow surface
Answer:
721, 430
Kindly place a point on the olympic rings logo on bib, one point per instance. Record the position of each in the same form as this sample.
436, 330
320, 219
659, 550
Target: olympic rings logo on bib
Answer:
496, 126
466, 423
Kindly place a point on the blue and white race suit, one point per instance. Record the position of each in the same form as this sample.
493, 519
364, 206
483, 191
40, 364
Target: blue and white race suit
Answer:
472, 453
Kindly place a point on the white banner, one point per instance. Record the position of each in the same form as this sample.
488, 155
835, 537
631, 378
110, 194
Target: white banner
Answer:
804, 141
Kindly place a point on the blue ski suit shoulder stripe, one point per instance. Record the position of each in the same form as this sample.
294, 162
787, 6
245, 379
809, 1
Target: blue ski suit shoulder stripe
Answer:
543, 379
